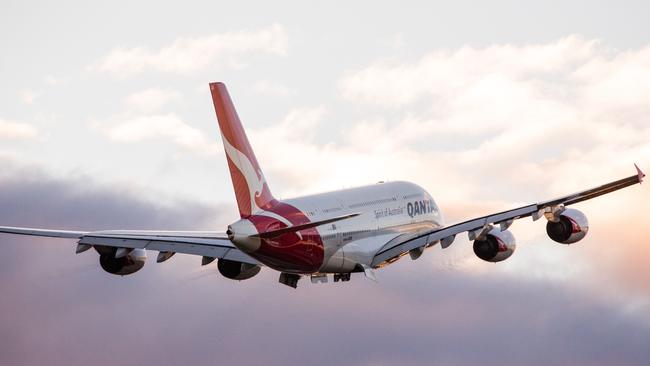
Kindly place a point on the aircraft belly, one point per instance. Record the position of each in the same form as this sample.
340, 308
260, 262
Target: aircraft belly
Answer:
357, 252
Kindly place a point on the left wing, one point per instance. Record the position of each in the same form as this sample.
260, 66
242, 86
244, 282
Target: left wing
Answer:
204, 243
208, 244
479, 226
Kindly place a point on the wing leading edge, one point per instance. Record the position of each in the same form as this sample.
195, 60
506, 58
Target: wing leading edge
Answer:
203, 243
394, 249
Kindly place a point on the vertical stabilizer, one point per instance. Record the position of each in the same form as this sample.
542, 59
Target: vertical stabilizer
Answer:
251, 190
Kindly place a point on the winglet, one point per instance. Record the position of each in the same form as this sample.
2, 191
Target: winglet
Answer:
640, 173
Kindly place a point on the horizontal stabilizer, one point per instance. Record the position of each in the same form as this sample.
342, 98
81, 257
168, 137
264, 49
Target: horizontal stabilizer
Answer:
291, 229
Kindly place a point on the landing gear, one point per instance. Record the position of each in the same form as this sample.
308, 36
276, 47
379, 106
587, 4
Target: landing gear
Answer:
343, 277
289, 279
319, 278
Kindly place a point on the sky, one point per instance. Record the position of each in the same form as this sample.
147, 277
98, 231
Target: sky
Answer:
106, 122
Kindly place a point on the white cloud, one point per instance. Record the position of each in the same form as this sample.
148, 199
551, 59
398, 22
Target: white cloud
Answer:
53, 80
161, 126
529, 122
17, 130
28, 96
523, 114
487, 129
303, 166
446, 73
187, 55
152, 99
395, 41
266, 87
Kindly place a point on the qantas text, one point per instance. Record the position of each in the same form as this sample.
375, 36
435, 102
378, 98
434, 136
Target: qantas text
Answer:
420, 207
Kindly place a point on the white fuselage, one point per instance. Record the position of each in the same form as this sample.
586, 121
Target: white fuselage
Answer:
387, 210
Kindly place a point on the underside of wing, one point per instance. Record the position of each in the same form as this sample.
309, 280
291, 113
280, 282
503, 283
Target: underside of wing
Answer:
208, 244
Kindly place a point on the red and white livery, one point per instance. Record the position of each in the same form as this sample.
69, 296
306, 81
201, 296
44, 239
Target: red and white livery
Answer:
341, 232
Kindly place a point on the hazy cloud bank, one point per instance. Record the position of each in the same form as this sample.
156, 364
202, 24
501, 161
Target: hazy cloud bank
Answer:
72, 313
187, 55
17, 130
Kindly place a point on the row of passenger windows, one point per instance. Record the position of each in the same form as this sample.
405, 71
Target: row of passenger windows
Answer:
333, 209
372, 203
356, 232
368, 203
413, 195
347, 233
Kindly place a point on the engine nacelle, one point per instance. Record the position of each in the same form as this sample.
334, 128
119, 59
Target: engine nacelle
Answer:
497, 246
571, 226
237, 270
128, 264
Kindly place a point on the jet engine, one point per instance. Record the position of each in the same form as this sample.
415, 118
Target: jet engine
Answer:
237, 270
495, 246
569, 226
121, 261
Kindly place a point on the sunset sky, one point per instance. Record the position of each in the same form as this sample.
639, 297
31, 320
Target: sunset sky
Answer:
106, 122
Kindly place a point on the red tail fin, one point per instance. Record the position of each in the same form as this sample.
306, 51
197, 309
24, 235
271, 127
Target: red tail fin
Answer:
251, 189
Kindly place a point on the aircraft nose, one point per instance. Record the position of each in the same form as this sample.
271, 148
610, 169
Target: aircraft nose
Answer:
242, 235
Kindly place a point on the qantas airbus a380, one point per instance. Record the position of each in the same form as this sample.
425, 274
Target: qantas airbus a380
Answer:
352, 230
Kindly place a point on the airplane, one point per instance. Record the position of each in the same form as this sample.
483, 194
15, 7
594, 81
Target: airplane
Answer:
329, 234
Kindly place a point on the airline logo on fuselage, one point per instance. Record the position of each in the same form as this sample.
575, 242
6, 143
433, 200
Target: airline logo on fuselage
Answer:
421, 207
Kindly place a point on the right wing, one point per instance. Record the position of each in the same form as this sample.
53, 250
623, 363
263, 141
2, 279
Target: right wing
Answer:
401, 245
204, 243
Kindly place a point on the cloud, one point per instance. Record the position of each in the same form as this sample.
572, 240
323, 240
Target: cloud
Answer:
17, 130
54, 80
65, 302
294, 153
446, 73
189, 55
525, 114
509, 107
28, 96
160, 126
31, 197
364, 156
395, 41
152, 99
488, 129
266, 87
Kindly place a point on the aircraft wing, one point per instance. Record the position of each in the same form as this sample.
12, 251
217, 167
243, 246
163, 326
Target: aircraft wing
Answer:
446, 235
203, 243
